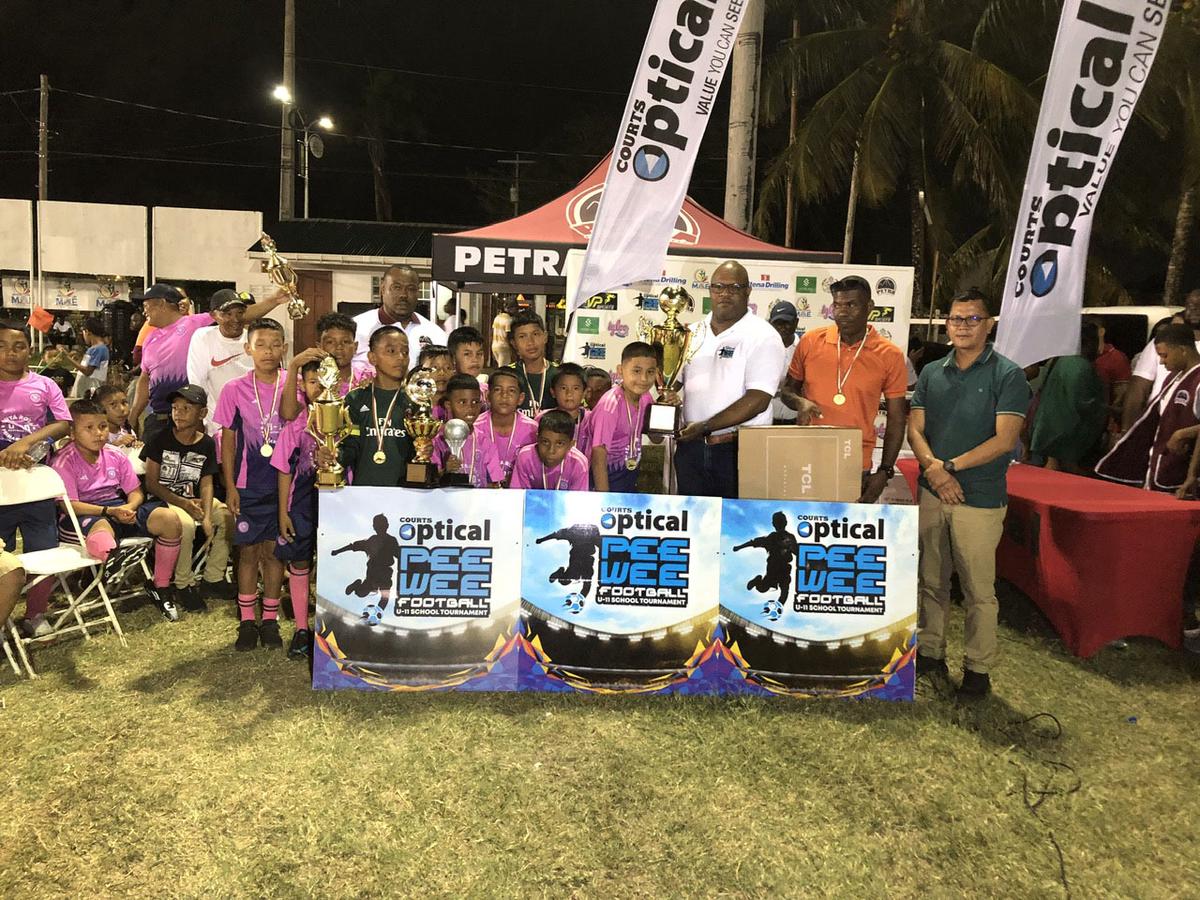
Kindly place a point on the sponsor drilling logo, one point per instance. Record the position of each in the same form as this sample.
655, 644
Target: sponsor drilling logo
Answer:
643, 569
1084, 158
837, 577
653, 128
443, 570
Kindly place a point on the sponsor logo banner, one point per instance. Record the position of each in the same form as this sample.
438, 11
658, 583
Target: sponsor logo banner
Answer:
1102, 57
678, 75
465, 260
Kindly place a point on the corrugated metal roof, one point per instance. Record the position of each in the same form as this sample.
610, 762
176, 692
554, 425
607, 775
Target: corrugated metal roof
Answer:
344, 237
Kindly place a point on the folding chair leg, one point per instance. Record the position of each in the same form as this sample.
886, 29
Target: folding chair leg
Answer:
62, 581
20, 645
8, 651
112, 616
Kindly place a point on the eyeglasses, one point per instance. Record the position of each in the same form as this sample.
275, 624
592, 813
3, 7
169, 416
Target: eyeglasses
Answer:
735, 287
967, 321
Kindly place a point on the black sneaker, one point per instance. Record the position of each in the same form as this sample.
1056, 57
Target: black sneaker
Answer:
191, 599
302, 641
219, 590
247, 638
268, 633
164, 599
975, 686
927, 665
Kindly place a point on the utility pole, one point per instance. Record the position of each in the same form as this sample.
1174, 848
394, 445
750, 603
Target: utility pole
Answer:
287, 140
743, 117
514, 192
789, 222
43, 141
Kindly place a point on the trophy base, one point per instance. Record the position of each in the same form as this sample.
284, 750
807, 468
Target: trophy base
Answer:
331, 480
664, 419
456, 479
420, 475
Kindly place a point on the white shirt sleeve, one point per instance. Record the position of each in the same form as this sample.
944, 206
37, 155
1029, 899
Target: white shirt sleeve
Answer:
1147, 363
368, 323
766, 360
197, 365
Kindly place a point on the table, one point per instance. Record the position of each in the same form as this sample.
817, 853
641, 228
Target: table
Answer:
1103, 561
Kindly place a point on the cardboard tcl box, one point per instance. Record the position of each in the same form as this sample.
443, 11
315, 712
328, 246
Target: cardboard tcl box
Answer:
800, 462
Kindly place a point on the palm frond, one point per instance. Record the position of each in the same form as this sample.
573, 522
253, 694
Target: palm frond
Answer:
985, 87
973, 150
890, 133
817, 60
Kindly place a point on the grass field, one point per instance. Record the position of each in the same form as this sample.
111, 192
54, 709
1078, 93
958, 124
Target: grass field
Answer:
178, 767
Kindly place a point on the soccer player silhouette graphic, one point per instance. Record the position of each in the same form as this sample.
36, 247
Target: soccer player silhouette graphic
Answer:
581, 563
781, 549
383, 552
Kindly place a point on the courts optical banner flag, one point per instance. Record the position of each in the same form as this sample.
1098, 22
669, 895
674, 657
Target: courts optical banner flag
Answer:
678, 76
576, 592
1102, 58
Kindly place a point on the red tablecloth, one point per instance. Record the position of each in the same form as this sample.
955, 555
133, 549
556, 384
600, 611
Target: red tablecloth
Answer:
1102, 561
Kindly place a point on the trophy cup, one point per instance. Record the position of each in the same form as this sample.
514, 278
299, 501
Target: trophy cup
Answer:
422, 428
329, 422
456, 432
284, 276
677, 344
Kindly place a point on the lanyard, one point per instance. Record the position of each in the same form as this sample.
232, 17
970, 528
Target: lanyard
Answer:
506, 462
387, 416
635, 437
561, 467
264, 423
536, 405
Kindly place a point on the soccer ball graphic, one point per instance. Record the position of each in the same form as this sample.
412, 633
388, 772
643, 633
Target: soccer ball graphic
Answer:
574, 603
773, 609
372, 615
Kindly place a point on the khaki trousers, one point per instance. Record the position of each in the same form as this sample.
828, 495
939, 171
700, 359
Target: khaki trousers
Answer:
958, 538
218, 553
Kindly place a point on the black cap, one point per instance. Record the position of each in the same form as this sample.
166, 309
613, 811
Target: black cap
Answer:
783, 311
160, 291
226, 299
192, 393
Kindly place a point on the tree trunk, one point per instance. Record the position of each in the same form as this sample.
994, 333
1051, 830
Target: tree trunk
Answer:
383, 196
789, 222
919, 238
851, 208
1185, 226
746, 66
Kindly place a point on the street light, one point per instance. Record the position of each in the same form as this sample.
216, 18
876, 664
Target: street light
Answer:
312, 143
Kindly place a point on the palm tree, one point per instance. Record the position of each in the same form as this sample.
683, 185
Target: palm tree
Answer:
913, 86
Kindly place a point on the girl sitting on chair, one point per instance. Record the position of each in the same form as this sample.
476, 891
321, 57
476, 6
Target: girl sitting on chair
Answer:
107, 498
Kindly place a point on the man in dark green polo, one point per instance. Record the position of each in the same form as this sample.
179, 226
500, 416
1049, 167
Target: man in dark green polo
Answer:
966, 418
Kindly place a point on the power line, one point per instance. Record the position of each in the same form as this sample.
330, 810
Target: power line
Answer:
467, 78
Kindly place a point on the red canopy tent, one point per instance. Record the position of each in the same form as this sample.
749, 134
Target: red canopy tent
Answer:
529, 252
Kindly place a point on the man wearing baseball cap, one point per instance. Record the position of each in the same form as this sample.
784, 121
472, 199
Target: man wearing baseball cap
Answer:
217, 353
783, 318
164, 355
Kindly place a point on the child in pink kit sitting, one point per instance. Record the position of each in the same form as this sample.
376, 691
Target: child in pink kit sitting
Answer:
553, 463
479, 461
507, 429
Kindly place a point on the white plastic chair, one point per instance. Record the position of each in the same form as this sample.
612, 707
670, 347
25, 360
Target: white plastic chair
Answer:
77, 611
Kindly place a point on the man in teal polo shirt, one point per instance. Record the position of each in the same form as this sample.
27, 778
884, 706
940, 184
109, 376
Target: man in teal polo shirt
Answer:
966, 418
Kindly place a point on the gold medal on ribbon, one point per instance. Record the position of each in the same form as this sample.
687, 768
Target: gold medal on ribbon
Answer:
839, 399
379, 457
266, 450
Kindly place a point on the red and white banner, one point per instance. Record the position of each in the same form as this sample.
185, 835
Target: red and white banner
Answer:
1102, 58
678, 76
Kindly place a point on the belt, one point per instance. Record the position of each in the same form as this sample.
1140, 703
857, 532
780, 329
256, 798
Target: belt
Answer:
725, 438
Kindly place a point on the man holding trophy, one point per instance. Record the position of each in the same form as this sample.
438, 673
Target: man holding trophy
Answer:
729, 372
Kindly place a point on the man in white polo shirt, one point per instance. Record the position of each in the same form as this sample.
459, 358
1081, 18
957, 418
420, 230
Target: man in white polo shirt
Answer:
398, 295
217, 354
728, 382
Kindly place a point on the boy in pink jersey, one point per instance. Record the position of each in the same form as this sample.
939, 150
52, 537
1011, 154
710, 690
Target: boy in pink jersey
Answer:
479, 461
107, 498
296, 475
335, 337
619, 419
553, 463
248, 413
568, 389
466, 347
506, 428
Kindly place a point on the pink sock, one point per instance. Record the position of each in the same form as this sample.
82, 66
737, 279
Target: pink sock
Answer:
270, 609
298, 588
246, 607
99, 543
166, 554
37, 598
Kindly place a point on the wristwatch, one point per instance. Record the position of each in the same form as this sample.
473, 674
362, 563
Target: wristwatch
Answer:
949, 466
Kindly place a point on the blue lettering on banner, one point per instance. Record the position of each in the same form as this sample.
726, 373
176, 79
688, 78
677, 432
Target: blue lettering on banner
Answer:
444, 581
643, 571
841, 578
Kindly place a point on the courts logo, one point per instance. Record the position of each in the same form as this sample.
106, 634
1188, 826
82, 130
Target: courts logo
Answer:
651, 163
1045, 274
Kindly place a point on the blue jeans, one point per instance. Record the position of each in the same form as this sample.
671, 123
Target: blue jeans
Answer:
37, 522
707, 470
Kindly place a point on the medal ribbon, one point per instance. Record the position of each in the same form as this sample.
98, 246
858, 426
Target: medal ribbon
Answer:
842, 379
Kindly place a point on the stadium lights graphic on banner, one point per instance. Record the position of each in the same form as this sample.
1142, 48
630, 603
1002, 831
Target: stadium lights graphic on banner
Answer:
687, 49
1102, 57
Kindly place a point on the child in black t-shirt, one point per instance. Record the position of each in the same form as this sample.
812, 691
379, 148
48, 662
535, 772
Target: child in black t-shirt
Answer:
180, 465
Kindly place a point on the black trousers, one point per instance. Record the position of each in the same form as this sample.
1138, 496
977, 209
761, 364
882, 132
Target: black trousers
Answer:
707, 470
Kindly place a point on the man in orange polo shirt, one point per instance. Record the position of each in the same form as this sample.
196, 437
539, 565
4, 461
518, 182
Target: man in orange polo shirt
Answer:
838, 373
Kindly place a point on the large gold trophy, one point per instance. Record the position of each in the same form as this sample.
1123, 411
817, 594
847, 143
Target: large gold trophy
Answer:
422, 428
329, 422
677, 344
284, 276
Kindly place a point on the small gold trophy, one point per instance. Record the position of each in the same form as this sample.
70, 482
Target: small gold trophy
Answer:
677, 344
283, 275
329, 422
422, 428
